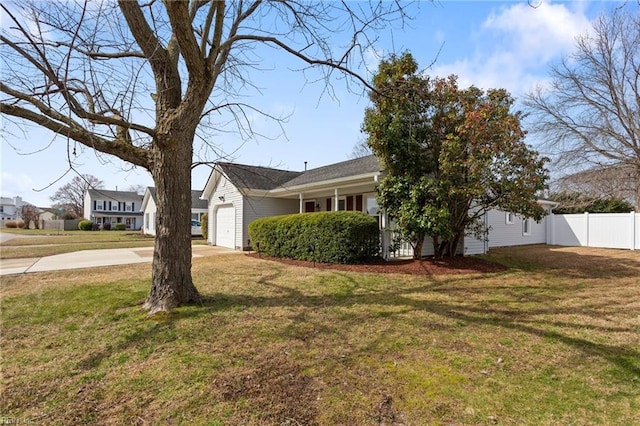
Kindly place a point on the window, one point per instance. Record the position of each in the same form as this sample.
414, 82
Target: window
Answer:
99, 205
146, 221
509, 218
372, 205
115, 207
342, 203
129, 208
526, 227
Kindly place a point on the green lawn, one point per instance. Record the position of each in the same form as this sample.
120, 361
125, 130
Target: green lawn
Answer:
553, 340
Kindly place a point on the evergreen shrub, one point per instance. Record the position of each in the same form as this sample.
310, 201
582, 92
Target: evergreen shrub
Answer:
329, 237
85, 225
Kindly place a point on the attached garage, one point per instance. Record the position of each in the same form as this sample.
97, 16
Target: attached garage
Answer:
225, 227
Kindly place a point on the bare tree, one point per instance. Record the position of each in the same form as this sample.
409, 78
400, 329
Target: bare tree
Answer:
70, 196
610, 182
136, 79
360, 149
590, 114
138, 189
30, 214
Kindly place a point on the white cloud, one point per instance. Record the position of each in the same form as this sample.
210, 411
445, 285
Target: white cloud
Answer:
515, 45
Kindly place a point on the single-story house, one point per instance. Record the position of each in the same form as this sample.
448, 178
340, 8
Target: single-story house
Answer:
149, 209
238, 194
103, 206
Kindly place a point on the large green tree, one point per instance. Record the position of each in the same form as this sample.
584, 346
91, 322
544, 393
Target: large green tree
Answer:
450, 154
136, 80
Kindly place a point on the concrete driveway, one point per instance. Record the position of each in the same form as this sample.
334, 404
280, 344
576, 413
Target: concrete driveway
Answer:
94, 258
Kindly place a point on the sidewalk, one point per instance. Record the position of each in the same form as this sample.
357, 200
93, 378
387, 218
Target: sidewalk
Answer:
95, 258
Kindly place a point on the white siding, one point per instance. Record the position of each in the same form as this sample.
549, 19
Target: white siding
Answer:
472, 245
88, 206
259, 207
149, 214
502, 234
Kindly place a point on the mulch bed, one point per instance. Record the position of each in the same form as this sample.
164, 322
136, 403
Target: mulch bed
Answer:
426, 266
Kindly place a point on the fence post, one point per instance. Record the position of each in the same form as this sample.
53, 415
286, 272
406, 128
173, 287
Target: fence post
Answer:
586, 228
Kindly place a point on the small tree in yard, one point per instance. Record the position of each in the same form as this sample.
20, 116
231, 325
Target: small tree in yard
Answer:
30, 214
135, 79
450, 155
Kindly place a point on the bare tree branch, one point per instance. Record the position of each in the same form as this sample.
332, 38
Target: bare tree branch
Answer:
590, 115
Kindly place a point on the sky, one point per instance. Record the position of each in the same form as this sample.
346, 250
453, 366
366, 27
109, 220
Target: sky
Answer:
488, 44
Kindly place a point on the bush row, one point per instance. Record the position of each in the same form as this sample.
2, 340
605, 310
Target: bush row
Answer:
14, 224
331, 237
87, 225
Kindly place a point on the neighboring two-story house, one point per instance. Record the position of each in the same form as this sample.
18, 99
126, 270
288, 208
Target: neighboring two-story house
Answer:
11, 209
103, 206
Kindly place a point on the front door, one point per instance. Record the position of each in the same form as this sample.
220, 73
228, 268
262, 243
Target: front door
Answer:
309, 206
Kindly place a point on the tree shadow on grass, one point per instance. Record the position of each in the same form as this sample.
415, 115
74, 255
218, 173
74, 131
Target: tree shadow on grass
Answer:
524, 317
574, 262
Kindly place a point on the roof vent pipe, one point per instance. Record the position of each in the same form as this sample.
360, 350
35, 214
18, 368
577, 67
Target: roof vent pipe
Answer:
305, 166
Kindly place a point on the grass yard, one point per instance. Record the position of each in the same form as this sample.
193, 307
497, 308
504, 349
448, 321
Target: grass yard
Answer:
553, 340
39, 243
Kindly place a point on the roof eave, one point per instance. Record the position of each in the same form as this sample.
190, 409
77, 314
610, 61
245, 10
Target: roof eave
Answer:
362, 178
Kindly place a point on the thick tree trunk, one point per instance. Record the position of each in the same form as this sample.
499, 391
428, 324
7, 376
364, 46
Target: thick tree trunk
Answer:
417, 249
172, 285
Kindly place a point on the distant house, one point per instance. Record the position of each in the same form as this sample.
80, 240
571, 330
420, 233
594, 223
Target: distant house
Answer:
102, 206
10, 208
47, 213
149, 209
238, 194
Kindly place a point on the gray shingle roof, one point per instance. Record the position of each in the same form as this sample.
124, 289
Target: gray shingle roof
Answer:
256, 177
196, 202
358, 166
266, 178
103, 194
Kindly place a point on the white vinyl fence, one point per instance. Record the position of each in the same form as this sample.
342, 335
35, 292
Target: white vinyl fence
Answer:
609, 230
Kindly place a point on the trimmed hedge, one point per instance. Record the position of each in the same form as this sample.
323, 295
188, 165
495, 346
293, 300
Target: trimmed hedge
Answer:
85, 225
329, 237
120, 227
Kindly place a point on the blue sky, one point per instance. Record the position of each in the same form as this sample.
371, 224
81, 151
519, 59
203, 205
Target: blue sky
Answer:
488, 44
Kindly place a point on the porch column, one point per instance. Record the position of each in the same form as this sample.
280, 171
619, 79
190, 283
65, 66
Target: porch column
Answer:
335, 203
301, 203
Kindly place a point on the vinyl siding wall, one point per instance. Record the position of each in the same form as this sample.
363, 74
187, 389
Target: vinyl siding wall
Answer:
502, 234
259, 207
149, 214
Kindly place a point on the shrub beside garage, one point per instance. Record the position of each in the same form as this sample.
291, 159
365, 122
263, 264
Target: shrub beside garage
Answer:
330, 237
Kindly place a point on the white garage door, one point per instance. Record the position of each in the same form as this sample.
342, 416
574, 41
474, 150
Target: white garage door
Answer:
225, 227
